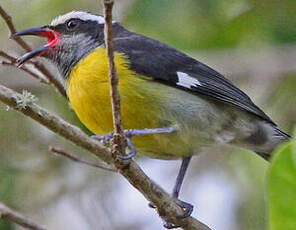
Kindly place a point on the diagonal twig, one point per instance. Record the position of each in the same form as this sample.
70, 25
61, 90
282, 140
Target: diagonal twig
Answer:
25, 69
39, 66
53, 80
78, 160
7, 18
7, 56
12, 62
15, 217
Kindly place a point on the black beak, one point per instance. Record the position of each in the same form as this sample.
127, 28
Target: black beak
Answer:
44, 31
38, 31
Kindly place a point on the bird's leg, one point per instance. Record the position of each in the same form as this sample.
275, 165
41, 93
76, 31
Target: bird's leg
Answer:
129, 133
180, 177
104, 139
138, 132
132, 150
188, 208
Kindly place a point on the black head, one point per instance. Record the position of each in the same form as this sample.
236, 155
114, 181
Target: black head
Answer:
70, 37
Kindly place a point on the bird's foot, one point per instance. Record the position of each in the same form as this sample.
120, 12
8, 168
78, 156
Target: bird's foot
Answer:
187, 208
137, 132
169, 225
129, 133
150, 205
132, 151
106, 140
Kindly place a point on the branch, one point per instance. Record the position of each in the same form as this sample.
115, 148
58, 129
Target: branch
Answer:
74, 158
15, 217
118, 140
53, 80
8, 21
12, 61
39, 66
166, 206
7, 56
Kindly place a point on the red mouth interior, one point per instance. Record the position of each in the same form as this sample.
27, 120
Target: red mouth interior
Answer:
51, 35
52, 38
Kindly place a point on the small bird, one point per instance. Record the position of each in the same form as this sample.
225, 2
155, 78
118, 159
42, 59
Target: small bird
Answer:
160, 87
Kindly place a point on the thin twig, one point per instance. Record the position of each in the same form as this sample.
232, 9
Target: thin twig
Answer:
12, 62
166, 206
7, 18
11, 58
39, 66
78, 160
53, 80
25, 69
15, 217
118, 140
7, 56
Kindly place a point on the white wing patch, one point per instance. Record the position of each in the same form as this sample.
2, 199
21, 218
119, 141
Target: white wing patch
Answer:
186, 81
79, 15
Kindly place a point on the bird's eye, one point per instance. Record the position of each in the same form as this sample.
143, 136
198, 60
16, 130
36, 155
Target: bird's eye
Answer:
72, 23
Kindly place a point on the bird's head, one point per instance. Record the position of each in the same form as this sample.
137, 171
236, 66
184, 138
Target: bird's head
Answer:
69, 38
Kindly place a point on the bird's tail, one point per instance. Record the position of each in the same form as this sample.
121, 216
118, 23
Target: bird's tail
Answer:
281, 133
278, 135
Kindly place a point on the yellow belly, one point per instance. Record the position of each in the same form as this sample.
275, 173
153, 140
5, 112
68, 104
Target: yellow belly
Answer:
88, 92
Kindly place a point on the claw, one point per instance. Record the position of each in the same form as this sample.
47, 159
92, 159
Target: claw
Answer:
188, 209
132, 151
106, 139
150, 205
128, 156
169, 225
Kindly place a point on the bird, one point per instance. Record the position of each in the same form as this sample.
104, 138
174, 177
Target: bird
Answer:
160, 88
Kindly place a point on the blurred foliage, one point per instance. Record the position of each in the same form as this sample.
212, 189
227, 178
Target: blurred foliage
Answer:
281, 185
281, 97
211, 24
7, 185
250, 211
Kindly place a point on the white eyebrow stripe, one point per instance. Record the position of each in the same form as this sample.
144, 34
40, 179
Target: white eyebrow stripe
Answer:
79, 15
186, 80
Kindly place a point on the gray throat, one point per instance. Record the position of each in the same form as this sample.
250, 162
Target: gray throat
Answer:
70, 53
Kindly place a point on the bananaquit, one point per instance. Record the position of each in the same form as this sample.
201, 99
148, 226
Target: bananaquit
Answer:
159, 86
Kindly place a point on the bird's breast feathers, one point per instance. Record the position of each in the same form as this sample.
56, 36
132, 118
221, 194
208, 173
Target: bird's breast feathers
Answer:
141, 99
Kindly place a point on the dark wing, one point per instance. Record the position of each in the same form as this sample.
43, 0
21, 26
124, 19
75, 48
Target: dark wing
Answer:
154, 59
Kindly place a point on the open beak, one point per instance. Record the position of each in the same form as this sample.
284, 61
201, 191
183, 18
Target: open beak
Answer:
45, 31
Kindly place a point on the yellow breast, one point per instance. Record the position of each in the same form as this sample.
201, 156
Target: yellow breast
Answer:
89, 95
